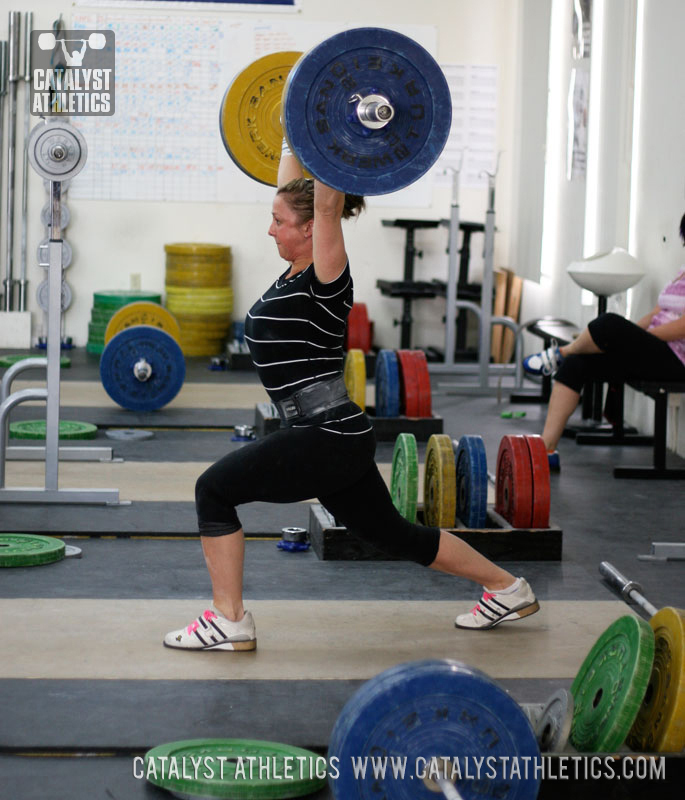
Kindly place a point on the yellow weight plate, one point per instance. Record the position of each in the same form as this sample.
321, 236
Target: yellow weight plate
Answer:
198, 249
355, 377
194, 278
660, 722
250, 116
440, 482
207, 349
142, 313
198, 320
204, 293
194, 305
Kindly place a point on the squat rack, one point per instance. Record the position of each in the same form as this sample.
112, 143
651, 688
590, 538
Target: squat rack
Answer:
483, 369
57, 152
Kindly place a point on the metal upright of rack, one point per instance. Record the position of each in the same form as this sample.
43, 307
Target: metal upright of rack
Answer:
483, 371
57, 152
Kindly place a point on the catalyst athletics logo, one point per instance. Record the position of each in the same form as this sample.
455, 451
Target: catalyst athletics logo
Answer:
72, 73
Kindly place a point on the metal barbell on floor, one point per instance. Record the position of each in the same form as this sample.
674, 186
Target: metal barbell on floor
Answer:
367, 111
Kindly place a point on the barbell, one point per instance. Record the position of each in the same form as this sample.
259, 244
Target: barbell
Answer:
367, 111
47, 41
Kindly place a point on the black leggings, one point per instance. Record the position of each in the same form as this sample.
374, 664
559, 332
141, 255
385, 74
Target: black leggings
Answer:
628, 352
296, 464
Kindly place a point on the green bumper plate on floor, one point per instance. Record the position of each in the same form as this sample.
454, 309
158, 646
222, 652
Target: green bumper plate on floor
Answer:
28, 550
234, 768
35, 429
12, 358
611, 684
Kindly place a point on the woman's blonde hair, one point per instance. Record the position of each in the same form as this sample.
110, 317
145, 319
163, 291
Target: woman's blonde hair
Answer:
299, 194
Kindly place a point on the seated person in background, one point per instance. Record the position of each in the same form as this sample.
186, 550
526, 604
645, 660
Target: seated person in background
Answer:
612, 348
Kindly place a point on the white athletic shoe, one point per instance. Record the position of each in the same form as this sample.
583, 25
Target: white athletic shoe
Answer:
211, 631
495, 607
546, 362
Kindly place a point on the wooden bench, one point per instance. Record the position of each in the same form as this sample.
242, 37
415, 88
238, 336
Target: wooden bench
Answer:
659, 392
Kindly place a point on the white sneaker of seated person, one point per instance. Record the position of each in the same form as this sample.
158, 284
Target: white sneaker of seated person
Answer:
546, 362
212, 631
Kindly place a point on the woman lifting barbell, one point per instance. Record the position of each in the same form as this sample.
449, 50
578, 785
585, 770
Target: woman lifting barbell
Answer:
326, 445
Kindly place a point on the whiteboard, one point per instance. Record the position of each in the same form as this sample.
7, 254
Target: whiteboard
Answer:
171, 72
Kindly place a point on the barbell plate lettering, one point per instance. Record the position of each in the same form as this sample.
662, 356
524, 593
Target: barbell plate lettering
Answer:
160, 350
404, 476
611, 684
660, 722
439, 482
142, 313
472, 481
326, 134
433, 709
250, 116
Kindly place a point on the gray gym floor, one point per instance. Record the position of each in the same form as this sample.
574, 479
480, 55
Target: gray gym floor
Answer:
56, 701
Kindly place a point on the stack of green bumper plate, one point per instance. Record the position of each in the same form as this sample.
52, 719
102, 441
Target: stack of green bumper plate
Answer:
105, 305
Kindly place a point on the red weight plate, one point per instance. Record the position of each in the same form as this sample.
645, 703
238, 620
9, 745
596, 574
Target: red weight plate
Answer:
514, 482
367, 339
409, 387
358, 328
424, 380
541, 489
415, 383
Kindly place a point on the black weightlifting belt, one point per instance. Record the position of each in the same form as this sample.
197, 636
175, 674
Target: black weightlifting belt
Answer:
313, 400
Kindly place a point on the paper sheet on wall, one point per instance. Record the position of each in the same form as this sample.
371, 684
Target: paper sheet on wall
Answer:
171, 73
225, 5
473, 136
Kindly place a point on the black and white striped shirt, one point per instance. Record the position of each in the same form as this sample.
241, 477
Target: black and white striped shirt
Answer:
295, 332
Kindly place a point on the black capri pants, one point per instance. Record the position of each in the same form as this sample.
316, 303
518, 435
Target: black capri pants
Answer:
628, 352
296, 464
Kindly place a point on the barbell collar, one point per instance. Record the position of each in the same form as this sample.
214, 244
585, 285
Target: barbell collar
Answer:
373, 111
142, 370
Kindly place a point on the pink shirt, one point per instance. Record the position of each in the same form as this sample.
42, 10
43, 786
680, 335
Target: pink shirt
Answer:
671, 307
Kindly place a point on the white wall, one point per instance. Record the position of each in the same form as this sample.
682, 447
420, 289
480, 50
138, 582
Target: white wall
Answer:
114, 240
659, 171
